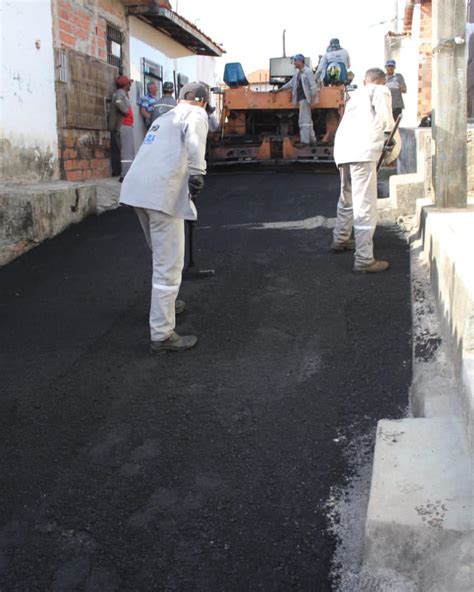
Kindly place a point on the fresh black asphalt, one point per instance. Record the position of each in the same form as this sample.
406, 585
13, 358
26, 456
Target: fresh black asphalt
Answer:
206, 470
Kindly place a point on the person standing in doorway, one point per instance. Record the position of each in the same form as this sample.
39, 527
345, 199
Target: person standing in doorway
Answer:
164, 103
166, 176
397, 85
147, 103
121, 123
303, 91
359, 142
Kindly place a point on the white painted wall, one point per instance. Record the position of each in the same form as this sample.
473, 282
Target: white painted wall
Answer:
405, 51
28, 99
147, 42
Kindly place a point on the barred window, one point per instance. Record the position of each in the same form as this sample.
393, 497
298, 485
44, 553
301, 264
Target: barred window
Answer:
114, 46
152, 72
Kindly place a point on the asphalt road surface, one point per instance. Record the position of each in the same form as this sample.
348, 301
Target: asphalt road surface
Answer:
206, 470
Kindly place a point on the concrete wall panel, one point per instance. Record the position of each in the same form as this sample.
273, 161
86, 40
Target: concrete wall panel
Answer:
28, 138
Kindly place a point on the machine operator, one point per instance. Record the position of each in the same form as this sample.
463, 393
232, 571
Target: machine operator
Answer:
303, 91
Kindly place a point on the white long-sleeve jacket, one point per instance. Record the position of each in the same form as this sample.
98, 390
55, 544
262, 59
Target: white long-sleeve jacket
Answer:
361, 134
173, 149
340, 55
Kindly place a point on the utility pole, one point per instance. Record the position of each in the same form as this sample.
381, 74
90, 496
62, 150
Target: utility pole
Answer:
449, 103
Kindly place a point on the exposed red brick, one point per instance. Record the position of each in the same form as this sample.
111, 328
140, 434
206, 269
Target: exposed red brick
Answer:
68, 140
64, 14
65, 26
70, 165
67, 39
81, 33
69, 153
80, 21
74, 175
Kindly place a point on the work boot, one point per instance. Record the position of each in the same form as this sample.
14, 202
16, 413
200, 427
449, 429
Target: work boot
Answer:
179, 307
373, 267
301, 145
348, 245
174, 343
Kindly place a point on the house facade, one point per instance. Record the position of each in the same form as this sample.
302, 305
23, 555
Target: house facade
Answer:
259, 80
158, 56
412, 49
61, 58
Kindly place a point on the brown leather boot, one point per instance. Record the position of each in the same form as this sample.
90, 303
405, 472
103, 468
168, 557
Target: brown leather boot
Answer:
373, 267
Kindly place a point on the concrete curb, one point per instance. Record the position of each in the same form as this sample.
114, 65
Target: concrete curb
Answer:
30, 214
420, 499
420, 519
444, 238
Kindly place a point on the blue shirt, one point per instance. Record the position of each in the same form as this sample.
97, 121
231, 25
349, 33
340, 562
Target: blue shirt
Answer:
148, 102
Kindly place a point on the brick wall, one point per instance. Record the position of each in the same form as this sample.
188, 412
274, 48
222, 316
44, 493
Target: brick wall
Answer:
425, 60
84, 154
81, 26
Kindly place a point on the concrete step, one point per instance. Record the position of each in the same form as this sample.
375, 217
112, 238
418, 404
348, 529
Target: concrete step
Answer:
444, 236
421, 497
30, 214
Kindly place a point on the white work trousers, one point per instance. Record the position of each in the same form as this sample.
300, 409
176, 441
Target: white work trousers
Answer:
358, 206
305, 122
127, 148
165, 237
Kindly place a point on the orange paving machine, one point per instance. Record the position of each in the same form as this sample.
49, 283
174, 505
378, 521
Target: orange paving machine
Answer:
262, 127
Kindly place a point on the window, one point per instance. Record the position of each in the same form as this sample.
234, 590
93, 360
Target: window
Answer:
152, 72
182, 80
114, 46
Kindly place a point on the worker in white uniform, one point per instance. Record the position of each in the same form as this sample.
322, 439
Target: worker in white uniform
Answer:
212, 118
303, 92
335, 57
166, 174
359, 142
